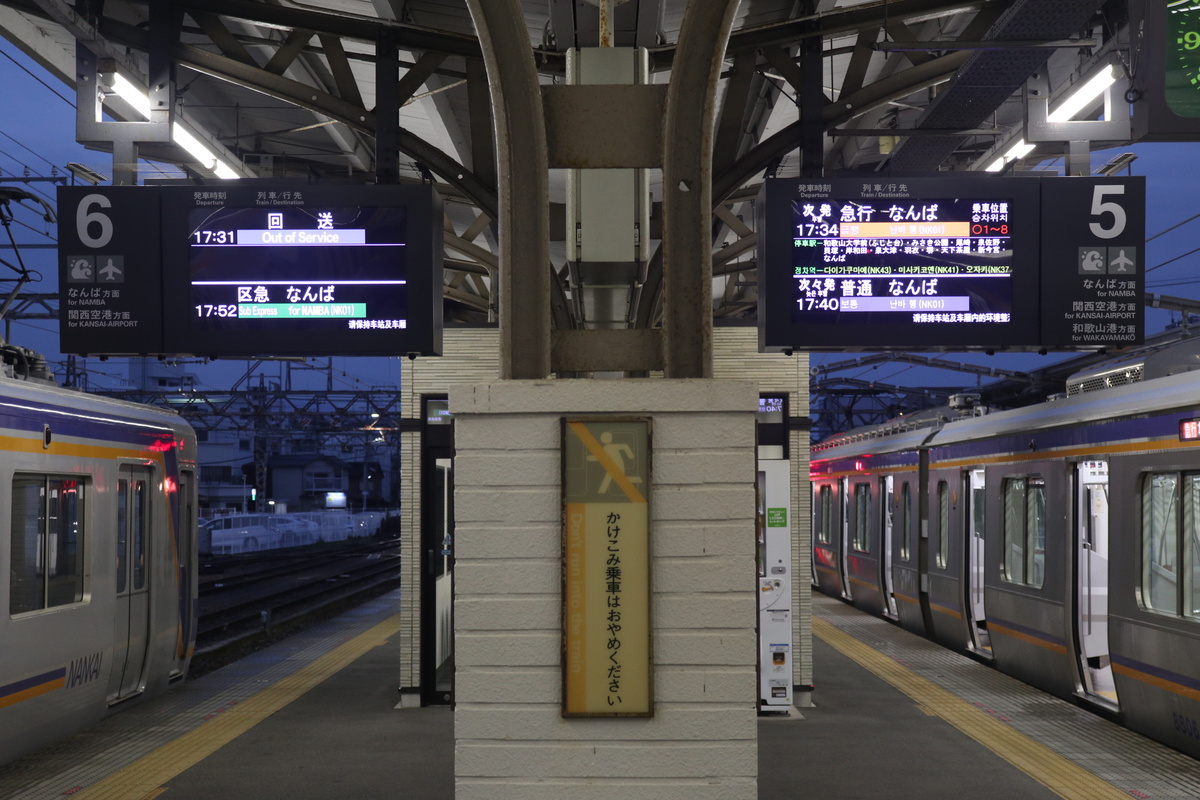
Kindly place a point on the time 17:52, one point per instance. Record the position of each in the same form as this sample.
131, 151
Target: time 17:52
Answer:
222, 310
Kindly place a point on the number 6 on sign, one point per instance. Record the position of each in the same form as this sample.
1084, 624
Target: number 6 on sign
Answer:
85, 218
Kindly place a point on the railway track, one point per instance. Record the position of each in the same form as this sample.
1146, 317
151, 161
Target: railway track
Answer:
248, 602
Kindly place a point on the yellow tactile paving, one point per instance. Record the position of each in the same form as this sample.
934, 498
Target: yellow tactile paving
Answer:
144, 778
1058, 774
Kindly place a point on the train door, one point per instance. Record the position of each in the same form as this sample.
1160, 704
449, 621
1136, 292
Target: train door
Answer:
974, 525
886, 506
818, 519
844, 540
1091, 565
132, 608
186, 566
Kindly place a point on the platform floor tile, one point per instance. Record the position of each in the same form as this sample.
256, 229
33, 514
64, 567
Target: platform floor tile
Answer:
1135, 765
70, 767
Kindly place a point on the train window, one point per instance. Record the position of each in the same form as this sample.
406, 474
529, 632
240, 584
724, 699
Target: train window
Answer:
140, 507
943, 498
825, 532
862, 517
1160, 542
122, 535
905, 522
47, 538
1025, 530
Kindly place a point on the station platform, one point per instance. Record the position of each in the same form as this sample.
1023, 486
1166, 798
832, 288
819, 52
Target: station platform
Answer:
315, 716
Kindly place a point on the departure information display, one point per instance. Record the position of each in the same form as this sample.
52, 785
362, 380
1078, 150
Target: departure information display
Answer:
951, 262
906, 264
941, 261
328, 268
305, 270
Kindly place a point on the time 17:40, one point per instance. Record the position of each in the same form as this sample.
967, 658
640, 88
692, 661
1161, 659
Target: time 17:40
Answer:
214, 237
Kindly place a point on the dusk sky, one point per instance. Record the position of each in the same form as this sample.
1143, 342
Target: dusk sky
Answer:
37, 135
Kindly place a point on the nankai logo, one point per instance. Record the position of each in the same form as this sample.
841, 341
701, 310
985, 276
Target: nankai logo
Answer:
84, 669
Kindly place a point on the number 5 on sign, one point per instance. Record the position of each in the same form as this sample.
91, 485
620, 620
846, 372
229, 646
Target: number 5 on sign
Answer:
1102, 208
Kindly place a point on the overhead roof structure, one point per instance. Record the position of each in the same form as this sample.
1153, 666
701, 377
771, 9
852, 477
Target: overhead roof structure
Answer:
291, 89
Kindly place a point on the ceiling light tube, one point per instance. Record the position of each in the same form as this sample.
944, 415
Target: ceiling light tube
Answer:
131, 95
140, 102
1079, 100
1085, 95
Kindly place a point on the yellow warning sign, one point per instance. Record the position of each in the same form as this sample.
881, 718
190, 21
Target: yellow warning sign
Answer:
606, 575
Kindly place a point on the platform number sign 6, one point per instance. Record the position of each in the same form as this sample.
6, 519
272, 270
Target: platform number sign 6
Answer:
1107, 211
88, 217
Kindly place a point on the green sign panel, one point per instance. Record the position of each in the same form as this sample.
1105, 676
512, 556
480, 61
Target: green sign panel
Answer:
1182, 87
777, 518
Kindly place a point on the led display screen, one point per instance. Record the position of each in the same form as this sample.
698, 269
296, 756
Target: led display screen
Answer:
908, 264
311, 270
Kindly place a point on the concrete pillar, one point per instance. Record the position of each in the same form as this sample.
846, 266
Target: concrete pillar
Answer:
511, 738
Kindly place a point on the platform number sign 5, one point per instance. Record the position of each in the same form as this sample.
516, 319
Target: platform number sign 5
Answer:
1109, 215
89, 217
1093, 256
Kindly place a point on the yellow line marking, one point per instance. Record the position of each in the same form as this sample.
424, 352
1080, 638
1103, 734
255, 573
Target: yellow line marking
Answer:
147, 775
1064, 777
611, 467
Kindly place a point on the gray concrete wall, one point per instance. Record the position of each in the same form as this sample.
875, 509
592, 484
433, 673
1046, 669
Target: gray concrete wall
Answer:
512, 741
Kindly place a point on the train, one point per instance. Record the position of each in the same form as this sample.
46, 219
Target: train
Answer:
1059, 541
98, 502
232, 534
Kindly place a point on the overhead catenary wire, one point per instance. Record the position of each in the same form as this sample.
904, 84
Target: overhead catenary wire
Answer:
36, 78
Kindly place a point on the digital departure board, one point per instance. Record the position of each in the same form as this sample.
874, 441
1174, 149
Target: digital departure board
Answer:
951, 263
307, 270
904, 264
251, 268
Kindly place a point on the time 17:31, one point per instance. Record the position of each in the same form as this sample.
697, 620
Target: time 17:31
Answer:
214, 237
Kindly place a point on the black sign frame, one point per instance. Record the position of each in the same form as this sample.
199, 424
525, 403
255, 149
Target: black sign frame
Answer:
780, 331
1061, 228
147, 228
109, 270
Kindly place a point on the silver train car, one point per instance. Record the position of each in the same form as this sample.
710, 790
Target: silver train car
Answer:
97, 558
1060, 541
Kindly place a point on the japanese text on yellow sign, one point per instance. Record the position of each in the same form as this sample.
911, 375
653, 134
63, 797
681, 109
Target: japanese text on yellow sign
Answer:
606, 576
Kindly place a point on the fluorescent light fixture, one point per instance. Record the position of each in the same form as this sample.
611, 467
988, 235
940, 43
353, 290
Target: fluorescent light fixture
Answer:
1080, 100
1018, 150
182, 137
131, 94
1084, 96
140, 102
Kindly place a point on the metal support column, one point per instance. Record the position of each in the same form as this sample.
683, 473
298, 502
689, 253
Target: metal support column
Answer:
522, 182
387, 108
687, 188
812, 109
